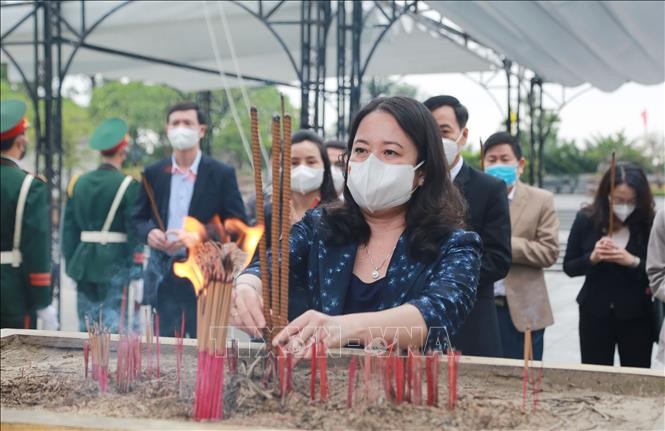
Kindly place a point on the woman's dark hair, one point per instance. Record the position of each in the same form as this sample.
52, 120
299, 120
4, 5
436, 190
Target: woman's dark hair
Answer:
639, 221
327, 189
435, 208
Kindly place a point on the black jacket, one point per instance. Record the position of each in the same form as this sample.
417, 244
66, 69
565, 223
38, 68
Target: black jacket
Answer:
488, 214
607, 285
215, 193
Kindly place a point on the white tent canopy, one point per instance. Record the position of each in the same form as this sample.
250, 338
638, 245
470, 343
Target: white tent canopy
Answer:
179, 32
604, 43
567, 42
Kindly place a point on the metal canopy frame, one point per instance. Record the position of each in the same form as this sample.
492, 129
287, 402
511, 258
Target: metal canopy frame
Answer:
316, 21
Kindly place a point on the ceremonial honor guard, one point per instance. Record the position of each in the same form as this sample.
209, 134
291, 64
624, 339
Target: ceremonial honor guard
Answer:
102, 254
25, 270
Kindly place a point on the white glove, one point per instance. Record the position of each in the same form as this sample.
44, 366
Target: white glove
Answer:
137, 286
49, 317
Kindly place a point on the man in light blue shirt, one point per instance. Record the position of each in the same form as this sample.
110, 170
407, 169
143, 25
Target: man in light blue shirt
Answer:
189, 183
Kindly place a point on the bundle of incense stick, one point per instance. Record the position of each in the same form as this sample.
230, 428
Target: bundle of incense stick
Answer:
99, 340
260, 213
401, 378
276, 281
319, 365
531, 378
353, 365
150, 350
213, 305
528, 356
453, 361
128, 365
179, 349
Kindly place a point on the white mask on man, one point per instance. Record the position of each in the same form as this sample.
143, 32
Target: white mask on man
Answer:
305, 179
338, 179
376, 185
451, 148
183, 138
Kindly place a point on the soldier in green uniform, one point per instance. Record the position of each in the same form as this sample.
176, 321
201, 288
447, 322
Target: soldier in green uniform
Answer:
101, 251
25, 270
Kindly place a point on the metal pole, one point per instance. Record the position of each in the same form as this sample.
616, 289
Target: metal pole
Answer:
50, 143
305, 49
506, 66
356, 74
532, 133
341, 69
517, 109
204, 100
541, 136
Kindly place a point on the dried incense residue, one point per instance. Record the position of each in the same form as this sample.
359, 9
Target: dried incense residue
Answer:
52, 379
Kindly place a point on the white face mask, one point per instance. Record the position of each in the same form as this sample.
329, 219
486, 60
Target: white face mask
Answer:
377, 185
623, 211
451, 148
338, 179
305, 179
183, 138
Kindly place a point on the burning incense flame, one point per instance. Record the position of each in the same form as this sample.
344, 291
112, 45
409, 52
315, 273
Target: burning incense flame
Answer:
248, 236
194, 233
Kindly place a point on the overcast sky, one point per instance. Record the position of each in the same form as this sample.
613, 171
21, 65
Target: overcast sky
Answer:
592, 112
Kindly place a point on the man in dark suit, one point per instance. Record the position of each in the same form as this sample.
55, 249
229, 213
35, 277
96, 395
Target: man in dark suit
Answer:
488, 215
188, 183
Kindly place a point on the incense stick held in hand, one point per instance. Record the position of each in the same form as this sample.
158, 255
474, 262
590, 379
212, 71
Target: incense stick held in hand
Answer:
613, 167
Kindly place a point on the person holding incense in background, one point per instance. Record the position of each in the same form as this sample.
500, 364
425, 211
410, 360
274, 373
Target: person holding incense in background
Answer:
393, 254
521, 298
187, 183
311, 180
608, 245
101, 250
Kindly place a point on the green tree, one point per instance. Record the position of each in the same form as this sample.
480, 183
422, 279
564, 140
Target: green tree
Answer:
76, 124
600, 147
227, 143
379, 87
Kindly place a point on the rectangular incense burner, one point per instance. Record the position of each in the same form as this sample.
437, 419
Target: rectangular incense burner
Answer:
43, 387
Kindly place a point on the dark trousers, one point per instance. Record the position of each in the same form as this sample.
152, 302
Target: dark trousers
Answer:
105, 298
175, 296
479, 334
600, 335
11, 322
512, 340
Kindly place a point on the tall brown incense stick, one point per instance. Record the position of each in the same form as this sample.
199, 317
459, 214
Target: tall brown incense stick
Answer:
260, 211
275, 283
482, 161
153, 204
286, 220
613, 167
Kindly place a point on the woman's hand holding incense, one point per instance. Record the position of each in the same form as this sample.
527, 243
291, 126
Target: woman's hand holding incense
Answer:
247, 310
604, 250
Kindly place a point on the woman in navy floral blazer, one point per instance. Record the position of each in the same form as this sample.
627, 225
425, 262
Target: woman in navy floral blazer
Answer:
391, 262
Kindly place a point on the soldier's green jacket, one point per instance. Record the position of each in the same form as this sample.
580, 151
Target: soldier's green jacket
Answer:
28, 287
90, 199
